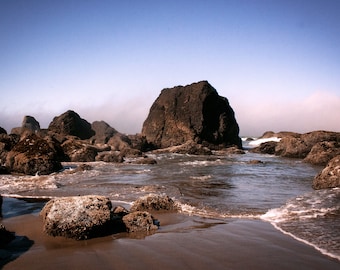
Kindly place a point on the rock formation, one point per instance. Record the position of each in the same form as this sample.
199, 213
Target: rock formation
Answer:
154, 203
70, 123
316, 147
84, 217
139, 221
3, 131
32, 155
194, 112
80, 217
329, 177
103, 132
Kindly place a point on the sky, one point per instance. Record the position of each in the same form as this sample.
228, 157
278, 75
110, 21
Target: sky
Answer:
277, 62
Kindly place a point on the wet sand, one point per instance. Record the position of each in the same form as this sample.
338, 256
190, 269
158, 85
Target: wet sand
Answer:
182, 242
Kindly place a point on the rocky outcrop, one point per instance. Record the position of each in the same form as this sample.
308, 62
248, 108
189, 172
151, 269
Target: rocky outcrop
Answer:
154, 203
299, 147
29, 125
79, 151
194, 112
70, 123
316, 147
189, 147
80, 217
3, 131
103, 132
265, 148
32, 155
7, 142
329, 177
322, 152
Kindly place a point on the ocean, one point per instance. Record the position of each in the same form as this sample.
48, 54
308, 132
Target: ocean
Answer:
246, 186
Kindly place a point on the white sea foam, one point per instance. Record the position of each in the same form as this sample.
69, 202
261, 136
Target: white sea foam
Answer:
257, 142
202, 177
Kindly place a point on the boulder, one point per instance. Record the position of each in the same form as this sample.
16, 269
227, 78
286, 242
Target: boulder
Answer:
299, 146
110, 156
189, 147
79, 217
139, 221
79, 151
103, 132
32, 155
265, 148
322, 152
329, 177
191, 113
30, 123
7, 142
154, 202
70, 123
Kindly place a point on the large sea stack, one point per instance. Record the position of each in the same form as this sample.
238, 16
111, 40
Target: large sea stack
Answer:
70, 123
191, 113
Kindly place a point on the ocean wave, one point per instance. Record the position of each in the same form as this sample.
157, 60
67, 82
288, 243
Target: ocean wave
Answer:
257, 142
311, 219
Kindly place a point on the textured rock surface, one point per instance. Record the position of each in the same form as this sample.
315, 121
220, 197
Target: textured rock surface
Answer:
154, 203
300, 146
70, 123
329, 177
322, 152
32, 155
194, 112
139, 221
80, 217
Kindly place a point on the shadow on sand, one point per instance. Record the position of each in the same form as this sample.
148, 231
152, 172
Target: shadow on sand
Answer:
14, 249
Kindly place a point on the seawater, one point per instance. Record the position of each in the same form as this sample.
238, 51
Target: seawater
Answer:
277, 190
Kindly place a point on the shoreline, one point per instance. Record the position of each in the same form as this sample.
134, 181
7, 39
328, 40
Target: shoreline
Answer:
184, 242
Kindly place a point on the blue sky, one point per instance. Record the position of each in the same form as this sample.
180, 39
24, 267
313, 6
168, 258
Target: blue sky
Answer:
278, 62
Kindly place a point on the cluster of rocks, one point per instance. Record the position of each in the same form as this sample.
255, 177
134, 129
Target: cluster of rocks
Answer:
193, 118
85, 217
317, 147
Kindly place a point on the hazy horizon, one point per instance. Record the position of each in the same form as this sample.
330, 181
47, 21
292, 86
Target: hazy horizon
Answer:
277, 62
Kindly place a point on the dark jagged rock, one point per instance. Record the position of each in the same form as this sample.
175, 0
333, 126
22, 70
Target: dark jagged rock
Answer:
32, 155
329, 177
265, 148
154, 203
30, 123
322, 152
3, 131
103, 132
70, 123
194, 112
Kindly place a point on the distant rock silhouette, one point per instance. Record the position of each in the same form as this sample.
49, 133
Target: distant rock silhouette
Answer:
70, 123
191, 113
103, 132
3, 131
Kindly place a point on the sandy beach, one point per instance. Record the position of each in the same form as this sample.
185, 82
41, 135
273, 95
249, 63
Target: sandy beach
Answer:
182, 242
